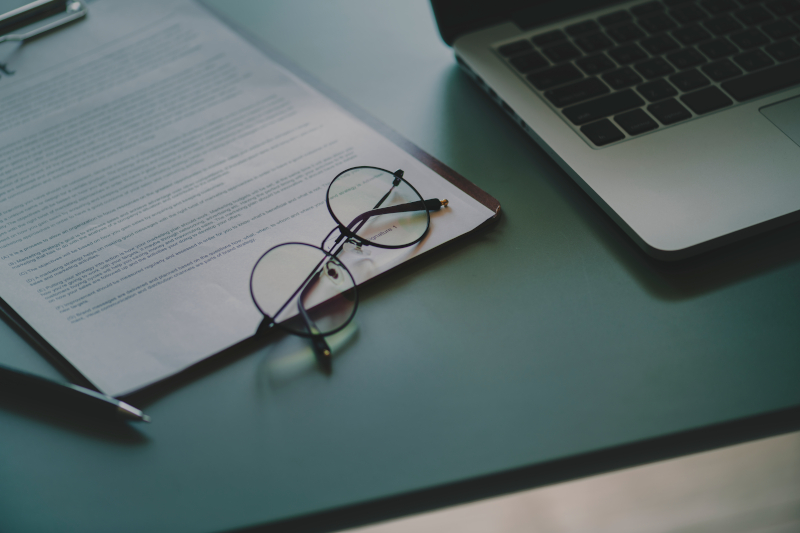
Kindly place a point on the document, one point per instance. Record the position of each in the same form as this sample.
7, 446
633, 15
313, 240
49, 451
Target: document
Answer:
148, 156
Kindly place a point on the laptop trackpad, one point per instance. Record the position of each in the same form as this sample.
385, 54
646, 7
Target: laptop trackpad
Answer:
785, 115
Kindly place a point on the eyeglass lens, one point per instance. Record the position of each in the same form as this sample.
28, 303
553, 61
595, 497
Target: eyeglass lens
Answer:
359, 198
294, 279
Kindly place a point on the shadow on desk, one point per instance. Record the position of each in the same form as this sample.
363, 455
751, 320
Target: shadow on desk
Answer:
111, 431
558, 471
468, 142
719, 268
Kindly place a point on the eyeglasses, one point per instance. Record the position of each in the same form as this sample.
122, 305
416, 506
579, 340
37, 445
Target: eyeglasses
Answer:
306, 290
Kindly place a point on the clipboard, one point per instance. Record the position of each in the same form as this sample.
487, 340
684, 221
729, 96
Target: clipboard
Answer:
43, 346
26, 22
431, 162
36, 18
418, 153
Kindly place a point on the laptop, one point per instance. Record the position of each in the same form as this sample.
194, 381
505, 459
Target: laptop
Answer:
680, 118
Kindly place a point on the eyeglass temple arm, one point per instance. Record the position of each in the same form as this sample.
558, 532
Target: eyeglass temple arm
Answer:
434, 204
322, 352
319, 346
398, 175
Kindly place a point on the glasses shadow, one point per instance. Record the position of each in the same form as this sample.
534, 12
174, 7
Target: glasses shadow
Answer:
285, 359
290, 358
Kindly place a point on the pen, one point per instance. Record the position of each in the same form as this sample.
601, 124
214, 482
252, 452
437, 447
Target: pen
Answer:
73, 397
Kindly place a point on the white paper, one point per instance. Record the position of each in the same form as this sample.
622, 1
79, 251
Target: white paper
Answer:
148, 157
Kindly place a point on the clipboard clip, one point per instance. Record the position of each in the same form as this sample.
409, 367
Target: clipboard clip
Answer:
38, 17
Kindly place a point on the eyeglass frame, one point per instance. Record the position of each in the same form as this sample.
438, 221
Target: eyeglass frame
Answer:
322, 351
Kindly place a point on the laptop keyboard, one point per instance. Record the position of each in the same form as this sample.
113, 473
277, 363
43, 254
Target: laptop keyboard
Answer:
660, 63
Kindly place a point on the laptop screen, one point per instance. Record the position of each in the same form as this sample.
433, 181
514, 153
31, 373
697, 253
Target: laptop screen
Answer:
457, 17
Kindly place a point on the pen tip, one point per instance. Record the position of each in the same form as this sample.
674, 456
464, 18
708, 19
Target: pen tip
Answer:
131, 413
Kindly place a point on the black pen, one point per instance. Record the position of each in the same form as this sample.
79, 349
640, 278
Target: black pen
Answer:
67, 395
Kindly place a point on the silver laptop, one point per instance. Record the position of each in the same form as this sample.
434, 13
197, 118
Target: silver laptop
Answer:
681, 119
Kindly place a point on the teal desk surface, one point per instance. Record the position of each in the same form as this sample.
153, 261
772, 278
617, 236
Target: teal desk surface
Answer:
546, 347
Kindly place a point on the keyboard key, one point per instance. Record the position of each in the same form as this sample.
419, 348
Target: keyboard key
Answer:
616, 17
656, 90
561, 52
780, 29
754, 60
657, 23
752, 15
595, 64
636, 122
718, 48
715, 7
764, 82
721, 70
749, 38
529, 62
627, 54
625, 32
553, 76
602, 132
604, 106
648, 7
514, 48
659, 44
654, 68
687, 13
620, 78
689, 80
576, 92
722, 25
706, 100
582, 27
686, 58
691, 34
669, 111
783, 50
781, 8
593, 42
548, 38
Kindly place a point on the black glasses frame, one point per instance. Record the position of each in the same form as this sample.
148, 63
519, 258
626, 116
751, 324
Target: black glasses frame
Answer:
347, 233
350, 234
270, 322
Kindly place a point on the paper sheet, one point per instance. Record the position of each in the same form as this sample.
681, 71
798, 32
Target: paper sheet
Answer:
148, 157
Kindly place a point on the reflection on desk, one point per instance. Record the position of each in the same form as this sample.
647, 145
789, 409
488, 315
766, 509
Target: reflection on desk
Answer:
748, 488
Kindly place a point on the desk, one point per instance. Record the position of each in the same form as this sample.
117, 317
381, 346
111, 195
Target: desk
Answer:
518, 354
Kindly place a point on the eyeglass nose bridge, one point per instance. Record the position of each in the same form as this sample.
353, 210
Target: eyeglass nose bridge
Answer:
398, 177
356, 247
352, 242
